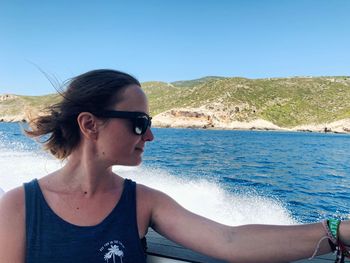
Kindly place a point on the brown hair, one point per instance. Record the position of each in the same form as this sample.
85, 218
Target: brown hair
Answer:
90, 92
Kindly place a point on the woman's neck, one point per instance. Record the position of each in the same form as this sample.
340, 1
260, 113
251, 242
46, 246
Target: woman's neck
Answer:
84, 174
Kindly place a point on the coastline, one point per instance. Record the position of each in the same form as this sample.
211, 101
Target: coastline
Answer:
202, 119
196, 120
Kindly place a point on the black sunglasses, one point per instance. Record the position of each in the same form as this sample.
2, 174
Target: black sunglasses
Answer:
140, 120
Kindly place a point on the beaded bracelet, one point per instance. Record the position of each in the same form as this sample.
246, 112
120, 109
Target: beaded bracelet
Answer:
334, 227
331, 227
331, 234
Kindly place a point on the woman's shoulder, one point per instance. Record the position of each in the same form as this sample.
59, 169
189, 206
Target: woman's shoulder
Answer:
12, 212
146, 191
12, 202
151, 197
12, 220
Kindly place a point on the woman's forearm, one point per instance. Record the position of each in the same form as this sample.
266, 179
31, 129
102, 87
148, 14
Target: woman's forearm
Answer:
265, 243
344, 232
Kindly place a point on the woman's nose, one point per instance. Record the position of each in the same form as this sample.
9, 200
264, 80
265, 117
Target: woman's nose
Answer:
148, 136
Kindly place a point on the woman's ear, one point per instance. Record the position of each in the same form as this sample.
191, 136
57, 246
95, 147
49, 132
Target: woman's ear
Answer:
88, 124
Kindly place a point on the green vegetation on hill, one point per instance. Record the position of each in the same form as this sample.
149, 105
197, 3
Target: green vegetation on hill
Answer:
286, 102
195, 82
18, 104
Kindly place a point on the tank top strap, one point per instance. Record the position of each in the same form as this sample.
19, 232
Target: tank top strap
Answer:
32, 203
128, 198
130, 192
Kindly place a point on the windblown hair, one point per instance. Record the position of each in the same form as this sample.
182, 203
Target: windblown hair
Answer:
90, 92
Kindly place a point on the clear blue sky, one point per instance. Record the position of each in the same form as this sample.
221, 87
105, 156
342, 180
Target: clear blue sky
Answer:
168, 40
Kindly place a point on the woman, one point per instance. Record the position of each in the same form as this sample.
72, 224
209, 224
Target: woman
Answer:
84, 212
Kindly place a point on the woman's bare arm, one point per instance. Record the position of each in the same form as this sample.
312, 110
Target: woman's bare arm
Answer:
248, 243
12, 226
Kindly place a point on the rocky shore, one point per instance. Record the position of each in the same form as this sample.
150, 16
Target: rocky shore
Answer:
205, 119
202, 118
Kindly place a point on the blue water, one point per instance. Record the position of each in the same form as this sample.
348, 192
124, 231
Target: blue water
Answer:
307, 173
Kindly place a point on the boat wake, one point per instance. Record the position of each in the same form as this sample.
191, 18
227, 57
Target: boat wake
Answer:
209, 199
200, 196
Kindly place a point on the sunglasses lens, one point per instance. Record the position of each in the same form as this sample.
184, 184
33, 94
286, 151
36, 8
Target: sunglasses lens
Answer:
141, 124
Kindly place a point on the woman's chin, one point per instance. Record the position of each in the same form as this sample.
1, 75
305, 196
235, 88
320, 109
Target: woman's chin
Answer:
135, 162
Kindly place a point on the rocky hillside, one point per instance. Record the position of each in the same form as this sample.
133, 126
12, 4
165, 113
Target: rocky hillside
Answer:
303, 103
217, 102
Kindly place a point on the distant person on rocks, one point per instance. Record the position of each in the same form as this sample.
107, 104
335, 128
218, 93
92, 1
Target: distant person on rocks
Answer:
85, 212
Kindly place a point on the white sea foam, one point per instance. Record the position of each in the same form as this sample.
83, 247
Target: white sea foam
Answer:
22, 166
210, 200
200, 196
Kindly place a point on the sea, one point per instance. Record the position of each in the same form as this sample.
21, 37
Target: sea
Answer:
233, 177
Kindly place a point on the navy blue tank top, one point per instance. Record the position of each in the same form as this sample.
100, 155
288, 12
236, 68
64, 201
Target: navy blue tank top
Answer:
49, 238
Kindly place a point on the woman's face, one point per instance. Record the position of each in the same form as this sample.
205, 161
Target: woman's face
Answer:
117, 142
